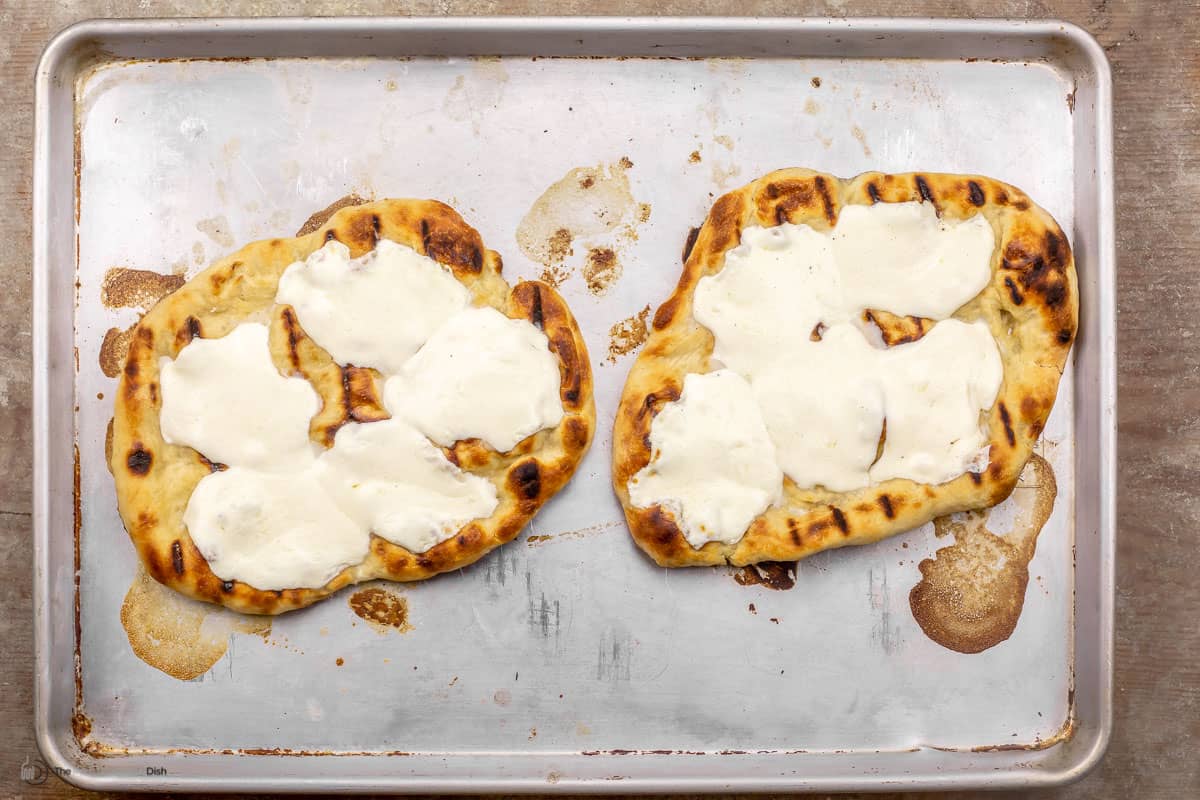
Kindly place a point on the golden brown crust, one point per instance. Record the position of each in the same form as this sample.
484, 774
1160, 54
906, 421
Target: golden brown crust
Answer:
1030, 305
154, 479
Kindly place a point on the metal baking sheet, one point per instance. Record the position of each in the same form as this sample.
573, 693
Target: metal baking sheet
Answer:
565, 661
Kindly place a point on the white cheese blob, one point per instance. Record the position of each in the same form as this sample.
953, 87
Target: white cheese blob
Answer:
935, 389
375, 310
272, 530
900, 257
785, 314
393, 482
481, 375
225, 398
712, 464
824, 407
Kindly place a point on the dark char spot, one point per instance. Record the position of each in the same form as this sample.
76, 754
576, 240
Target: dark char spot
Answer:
690, 243
1007, 420
177, 557
139, 460
923, 188
885, 503
1013, 292
527, 479
976, 193
1064, 336
839, 519
873, 192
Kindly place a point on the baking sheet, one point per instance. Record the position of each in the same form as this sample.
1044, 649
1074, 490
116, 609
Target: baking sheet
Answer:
566, 642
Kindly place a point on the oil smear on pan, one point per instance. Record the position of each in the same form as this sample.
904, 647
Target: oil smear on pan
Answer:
628, 335
590, 206
177, 635
383, 610
971, 593
113, 350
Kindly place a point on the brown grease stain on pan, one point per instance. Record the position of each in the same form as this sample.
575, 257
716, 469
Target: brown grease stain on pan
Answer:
321, 217
778, 575
971, 593
114, 349
382, 609
176, 635
628, 335
601, 270
136, 288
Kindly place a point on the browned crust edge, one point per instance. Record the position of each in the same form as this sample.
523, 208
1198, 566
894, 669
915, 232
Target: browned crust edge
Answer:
1031, 306
154, 479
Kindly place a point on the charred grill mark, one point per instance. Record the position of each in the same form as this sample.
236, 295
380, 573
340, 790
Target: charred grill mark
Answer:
536, 315
873, 192
839, 519
924, 190
177, 557
975, 192
526, 479
1055, 250
665, 313
1055, 294
139, 460
1013, 292
826, 200
1007, 420
885, 503
293, 336
425, 236
793, 531
153, 390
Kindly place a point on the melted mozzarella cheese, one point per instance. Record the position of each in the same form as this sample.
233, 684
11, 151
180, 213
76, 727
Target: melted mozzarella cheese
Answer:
481, 375
900, 257
785, 314
935, 389
713, 464
225, 398
375, 310
393, 482
272, 530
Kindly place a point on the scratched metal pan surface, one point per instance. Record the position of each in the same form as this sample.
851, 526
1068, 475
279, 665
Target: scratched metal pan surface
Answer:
565, 661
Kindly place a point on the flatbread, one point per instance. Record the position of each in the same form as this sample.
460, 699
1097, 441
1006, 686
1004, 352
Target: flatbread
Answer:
1031, 306
154, 480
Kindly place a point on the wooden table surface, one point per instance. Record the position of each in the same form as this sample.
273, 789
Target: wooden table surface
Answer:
1155, 53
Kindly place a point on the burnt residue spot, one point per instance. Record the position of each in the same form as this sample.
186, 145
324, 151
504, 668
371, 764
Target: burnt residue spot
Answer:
885, 503
816, 82
136, 288
826, 200
1007, 420
627, 335
139, 460
1064, 336
924, 190
817, 332
689, 243
778, 575
694, 157
873, 192
381, 608
177, 557
526, 479
318, 219
601, 270
227, 586
975, 193
587, 182
839, 519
